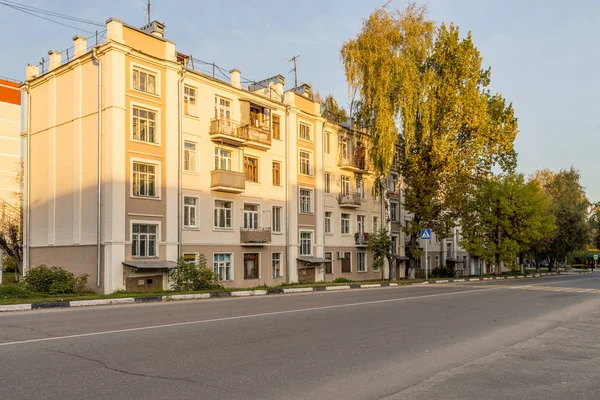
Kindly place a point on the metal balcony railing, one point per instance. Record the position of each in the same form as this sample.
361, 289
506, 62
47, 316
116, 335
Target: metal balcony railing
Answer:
350, 199
256, 133
227, 127
353, 161
361, 239
255, 235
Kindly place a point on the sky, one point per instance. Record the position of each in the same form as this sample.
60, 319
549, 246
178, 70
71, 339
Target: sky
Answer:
544, 55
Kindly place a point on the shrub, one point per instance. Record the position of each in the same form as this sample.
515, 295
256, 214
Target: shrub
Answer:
341, 279
55, 280
8, 264
442, 272
194, 276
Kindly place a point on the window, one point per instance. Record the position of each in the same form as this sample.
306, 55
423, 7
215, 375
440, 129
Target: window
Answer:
305, 162
375, 224
328, 217
189, 101
223, 210
305, 132
222, 159
222, 266
327, 143
144, 125
305, 243
144, 81
327, 182
393, 211
360, 188
393, 182
189, 212
276, 227
306, 201
361, 261
394, 245
276, 173
251, 216
251, 168
276, 265
346, 263
189, 157
143, 240
360, 224
276, 127
344, 147
144, 180
329, 265
190, 257
345, 183
260, 117
345, 227
437, 261
251, 266
223, 110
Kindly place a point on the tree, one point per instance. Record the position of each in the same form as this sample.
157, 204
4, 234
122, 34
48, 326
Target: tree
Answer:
423, 87
503, 217
380, 246
595, 225
331, 110
570, 206
11, 232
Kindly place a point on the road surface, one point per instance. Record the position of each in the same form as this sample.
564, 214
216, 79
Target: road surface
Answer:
530, 339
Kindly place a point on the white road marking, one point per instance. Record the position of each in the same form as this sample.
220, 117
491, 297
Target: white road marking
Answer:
144, 328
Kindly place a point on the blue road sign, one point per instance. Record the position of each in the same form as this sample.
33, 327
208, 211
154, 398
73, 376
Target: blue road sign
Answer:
426, 234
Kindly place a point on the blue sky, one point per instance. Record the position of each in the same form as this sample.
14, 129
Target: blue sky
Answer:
544, 54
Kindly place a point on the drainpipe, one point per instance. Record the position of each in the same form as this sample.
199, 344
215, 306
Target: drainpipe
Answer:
99, 199
27, 185
180, 159
287, 180
323, 192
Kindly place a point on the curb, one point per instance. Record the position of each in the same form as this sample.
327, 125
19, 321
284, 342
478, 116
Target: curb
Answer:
245, 293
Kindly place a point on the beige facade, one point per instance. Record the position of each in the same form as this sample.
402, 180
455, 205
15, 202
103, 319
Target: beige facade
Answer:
10, 141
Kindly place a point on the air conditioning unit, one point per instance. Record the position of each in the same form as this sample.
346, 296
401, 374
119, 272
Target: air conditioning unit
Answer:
340, 255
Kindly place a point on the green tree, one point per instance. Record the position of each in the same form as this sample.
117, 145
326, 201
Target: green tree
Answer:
331, 110
380, 246
189, 275
503, 217
595, 225
423, 87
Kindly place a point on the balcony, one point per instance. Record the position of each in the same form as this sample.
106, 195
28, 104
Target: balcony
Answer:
226, 131
349, 200
227, 181
255, 236
353, 163
361, 239
256, 135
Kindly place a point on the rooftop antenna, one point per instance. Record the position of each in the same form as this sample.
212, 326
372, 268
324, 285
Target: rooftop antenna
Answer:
148, 8
294, 70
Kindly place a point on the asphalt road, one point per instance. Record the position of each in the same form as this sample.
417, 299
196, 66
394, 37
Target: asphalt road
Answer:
530, 339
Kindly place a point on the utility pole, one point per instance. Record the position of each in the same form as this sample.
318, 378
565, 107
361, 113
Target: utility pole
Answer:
148, 10
294, 70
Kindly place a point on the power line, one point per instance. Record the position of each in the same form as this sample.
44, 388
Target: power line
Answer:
45, 18
50, 13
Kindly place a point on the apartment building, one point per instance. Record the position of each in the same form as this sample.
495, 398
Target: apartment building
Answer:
10, 141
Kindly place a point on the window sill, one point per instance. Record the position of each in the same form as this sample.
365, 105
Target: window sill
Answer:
277, 277
277, 233
252, 279
191, 173
223, 230
191, 116
306, 140
308, 175
253, 183
145, 258
156, 95
145, 142
144, 197
306, 213
362, 272
191, 228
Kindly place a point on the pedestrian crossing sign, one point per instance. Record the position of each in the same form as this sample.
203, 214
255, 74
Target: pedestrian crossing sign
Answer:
426, 234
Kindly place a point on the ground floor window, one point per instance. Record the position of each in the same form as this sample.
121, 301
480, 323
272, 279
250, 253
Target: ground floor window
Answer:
222, 266
346, 263
361, 261
305, 243
328, 266
251, 266
190, 257
144, 240
276, 264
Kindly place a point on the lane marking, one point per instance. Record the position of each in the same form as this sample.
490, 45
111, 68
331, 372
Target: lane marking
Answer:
205, 321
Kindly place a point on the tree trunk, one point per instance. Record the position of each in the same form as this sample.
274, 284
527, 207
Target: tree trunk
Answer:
521, 263
392, 264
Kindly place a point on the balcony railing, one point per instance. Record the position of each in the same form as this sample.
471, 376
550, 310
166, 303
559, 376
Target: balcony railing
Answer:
361, 239
353, 162
255, 236
234, 132
349, 200
226, 128
227, 181
256, 134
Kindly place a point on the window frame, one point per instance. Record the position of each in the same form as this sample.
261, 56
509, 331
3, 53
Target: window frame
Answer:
232, 222
280, 254
330, 264
327, 144
278, 124
158, 225
195, 254
195, 207
219, 157
328, 223
157, 123
258, 261
300, 245
195, 97
310, 131
327, 178
231, 267
145, 69
273, 225
253, 215
157, 178
345, 185
394, 216
361, 223
376, 226
273, 170
195, 151
364, 254
310, 203
256, 168
342, 220
309, 163
349, 258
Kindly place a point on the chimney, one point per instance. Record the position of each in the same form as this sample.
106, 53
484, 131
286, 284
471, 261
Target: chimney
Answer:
235, 75
80, 44
55, 59
154, 28
31, 72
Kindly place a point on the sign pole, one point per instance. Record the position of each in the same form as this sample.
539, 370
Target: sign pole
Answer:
426, 262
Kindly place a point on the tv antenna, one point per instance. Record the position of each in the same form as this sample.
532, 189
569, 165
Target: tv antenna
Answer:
294, 70
148, 9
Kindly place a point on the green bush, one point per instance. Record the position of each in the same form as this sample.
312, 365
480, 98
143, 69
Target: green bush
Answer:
8, 264
55, 280
341, 279
194, 276
442, 272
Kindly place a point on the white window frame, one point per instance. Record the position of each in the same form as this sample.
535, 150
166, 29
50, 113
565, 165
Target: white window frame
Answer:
328, 223
218, 108
311, 200
376, 226
310, 131
158, 235
150, 70
280, 265
328, 177
220, 228
157, 179
309, 162
364, 254
327, 144
219, 158
312, 235
397, 242
330, 258
192, 109
394, 216
345, 185
342, 219
252, 216
231, 266
361, 223
195, 152
157, 130
195, 208
257, 266
280, 222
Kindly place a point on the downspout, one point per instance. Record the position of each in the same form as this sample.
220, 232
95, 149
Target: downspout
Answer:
287, 180
99, 199
27, 184
323, 192
180, 159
